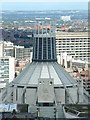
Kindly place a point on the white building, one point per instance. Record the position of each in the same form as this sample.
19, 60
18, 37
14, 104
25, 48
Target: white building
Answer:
75, 44
66, 18
22, 53
28, 53
7, 70
65, 60
1, 48
19, 52
8, 49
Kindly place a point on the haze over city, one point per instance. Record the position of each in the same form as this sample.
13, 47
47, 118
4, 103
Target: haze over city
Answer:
72, 5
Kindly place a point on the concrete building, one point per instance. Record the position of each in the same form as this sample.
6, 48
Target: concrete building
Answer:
28, 53
1, 48
65, 60
7, 70
44, 83
19, 52
75, 44
8, 49
7, 65
66, 18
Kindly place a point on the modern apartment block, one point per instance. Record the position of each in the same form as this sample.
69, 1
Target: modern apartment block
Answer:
66, 18
18, 52
8, 49
75, 44
1, 48
28, 53
22, 53
7, 65
7, 70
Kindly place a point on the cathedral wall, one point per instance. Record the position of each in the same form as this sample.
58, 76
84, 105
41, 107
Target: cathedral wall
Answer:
19, 95
9, 96
73, 93
31, 96
80, 90
60, 95
14, 94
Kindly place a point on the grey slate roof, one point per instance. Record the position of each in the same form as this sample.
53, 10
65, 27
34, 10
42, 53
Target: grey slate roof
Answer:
31, 74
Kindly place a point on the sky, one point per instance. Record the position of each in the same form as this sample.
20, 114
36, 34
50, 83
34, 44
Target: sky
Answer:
44, 0
15, 5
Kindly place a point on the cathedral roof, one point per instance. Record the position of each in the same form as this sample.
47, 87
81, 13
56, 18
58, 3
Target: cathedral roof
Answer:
38, 70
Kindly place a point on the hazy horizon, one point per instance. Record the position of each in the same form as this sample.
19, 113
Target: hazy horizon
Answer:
37, 6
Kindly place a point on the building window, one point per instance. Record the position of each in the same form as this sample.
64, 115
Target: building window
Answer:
49, 49
36, 48
40, 48
52, 48
44, 49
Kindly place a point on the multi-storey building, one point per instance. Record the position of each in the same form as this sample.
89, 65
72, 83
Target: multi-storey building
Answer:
22, 53
66, 18
8, 49
1, 48
75, 44
7, 70
18, 52
28, 53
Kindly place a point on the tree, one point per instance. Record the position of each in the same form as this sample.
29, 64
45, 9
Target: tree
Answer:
70, 30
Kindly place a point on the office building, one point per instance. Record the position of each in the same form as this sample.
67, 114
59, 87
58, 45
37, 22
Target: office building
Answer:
19, 52
7, 70
8, 49
75, 44
1, 48
66, 18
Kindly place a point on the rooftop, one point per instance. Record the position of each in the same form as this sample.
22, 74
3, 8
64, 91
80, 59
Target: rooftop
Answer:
48, 70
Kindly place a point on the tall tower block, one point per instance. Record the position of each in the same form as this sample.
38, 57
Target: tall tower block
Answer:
44, 42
